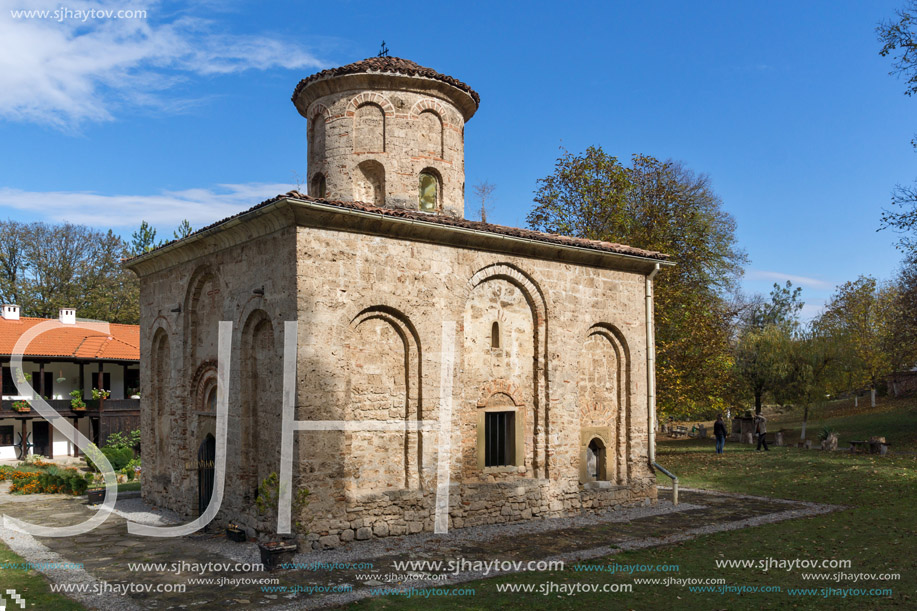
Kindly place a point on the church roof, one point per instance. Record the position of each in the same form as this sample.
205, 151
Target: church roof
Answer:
439, 219
120, 343
394, 65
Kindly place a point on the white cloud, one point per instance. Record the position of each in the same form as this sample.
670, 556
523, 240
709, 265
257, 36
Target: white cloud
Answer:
804, 281
67, 72
164, 210
812, 310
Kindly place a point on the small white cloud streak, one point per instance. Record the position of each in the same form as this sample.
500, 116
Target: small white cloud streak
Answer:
71, 72
803, 281
812, 310
164, 210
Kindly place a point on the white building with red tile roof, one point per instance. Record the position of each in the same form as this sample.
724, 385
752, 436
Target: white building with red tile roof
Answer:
61, 355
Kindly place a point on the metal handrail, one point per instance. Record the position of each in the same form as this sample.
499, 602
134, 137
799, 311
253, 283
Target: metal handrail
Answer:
674, 481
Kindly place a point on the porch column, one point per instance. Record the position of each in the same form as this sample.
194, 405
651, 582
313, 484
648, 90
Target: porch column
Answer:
76, 450
41, 379
82, 384
99, 386
25, 448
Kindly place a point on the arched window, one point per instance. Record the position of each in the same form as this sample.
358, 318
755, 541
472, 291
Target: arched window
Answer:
428, 195
430, 136
495, 335
369, 129
595, 460
318, 185
210, 404
369, 183
317, 138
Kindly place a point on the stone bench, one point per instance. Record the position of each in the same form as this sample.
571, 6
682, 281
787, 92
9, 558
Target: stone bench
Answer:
875, 447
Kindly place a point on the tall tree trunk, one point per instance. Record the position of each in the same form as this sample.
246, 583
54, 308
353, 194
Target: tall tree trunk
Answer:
805, 420
758, 394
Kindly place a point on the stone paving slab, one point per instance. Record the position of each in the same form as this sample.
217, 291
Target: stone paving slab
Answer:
107, 551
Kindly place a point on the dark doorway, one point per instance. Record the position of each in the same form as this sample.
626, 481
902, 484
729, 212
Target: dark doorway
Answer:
41, 438
595, 460
206, 456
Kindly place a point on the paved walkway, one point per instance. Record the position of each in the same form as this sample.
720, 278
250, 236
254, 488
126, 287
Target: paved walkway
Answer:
107, 552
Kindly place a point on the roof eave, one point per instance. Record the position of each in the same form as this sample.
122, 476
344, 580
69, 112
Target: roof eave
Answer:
415, 229
308, 213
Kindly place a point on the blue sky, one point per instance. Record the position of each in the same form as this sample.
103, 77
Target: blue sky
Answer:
187, 113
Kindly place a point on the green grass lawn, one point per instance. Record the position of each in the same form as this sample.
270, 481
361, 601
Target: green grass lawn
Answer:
877, 533
31, 585
128, 486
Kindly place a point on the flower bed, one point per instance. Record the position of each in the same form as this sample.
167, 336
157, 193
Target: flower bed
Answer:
45, 478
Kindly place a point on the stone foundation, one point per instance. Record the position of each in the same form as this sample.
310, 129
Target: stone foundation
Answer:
404, 512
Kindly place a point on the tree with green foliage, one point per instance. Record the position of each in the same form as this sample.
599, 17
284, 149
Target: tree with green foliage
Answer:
183, 231
46, 267
663, 206
861, 318
143, 240
763, 342
899, 41
812, 369
904, 316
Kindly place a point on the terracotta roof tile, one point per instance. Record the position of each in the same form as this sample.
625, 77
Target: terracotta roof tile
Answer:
394, 65
122, 343
448, 221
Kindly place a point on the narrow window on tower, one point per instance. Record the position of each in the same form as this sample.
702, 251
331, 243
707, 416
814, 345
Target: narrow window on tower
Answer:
318, 185
428, 192
495, 335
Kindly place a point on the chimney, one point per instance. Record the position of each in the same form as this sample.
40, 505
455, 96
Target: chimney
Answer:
10, 311
68, 316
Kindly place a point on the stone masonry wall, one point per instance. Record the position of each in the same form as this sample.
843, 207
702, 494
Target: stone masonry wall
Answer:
373, 313
548, 313
174, 418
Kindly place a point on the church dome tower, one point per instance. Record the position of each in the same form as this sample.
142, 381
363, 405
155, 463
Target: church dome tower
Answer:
387, 132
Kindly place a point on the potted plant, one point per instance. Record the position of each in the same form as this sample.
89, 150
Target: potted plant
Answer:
278, 552
100, 394
234, 533
76, 401
22, 407
828, 438
95, 495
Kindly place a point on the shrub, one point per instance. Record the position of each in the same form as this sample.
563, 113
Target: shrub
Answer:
48, 480
122, 440
118, 457
269, 496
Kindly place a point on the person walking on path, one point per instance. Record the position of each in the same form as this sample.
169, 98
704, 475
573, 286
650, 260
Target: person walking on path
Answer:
761, 431
719, 431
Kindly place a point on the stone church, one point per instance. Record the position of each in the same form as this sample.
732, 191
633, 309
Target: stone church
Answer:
547, 371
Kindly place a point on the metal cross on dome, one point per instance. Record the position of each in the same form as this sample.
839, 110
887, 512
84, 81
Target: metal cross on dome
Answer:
383, 51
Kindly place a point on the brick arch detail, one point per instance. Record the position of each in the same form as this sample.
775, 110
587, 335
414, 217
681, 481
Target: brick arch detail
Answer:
318, 109
370, 97
500, 387
428, 104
